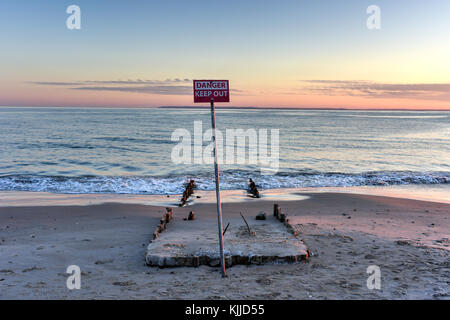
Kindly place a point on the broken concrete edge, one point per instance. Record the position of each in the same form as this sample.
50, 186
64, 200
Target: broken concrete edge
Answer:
165, 219
189, 191
213, 261
261, 216
252, 189
282, 217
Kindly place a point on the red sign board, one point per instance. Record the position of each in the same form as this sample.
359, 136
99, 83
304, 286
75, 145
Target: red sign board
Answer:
205, 90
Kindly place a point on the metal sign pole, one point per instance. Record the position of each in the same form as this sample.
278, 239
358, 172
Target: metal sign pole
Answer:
219, 206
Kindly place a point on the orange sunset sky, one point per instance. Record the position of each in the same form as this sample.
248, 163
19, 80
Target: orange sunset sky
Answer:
312, 54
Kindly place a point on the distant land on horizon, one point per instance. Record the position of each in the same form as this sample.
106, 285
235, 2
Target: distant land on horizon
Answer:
218, 106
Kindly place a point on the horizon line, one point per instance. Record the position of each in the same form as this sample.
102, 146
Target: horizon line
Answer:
233, 107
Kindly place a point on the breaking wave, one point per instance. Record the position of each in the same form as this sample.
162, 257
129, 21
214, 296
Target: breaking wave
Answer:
229, 181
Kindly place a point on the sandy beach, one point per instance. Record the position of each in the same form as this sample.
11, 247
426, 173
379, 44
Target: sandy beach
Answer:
225, 150
408, 239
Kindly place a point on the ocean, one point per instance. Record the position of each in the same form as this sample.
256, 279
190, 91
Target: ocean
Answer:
128, 151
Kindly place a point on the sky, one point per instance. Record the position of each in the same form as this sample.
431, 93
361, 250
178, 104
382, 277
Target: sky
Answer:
277, 53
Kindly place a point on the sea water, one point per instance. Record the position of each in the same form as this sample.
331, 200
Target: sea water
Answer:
128, 151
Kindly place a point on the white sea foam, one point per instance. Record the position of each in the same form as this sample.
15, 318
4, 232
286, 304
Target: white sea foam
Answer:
229, 181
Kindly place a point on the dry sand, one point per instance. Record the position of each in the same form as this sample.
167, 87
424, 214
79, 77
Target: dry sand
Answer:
407, 239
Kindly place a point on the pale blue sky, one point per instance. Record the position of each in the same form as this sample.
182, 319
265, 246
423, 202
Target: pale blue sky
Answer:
254, 43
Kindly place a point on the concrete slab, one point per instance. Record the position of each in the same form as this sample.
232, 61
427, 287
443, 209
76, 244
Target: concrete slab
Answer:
195, 243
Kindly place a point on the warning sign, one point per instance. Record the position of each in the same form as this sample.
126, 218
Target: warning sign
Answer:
205, 90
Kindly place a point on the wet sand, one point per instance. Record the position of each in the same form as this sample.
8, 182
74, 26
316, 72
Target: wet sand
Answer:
408, 239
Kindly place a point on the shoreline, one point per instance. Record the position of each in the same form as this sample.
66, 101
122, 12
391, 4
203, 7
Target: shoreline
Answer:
346, 233
429, 193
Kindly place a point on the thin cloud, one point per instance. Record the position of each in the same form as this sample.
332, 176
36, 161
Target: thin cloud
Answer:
163, 87
49, 83
426, 91
106, 82
156, 89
